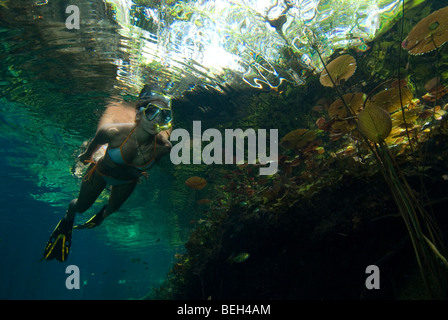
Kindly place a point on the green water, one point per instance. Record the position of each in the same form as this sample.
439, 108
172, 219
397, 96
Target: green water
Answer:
225, 63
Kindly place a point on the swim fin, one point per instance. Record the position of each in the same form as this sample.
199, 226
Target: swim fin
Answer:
93, 222
58, 246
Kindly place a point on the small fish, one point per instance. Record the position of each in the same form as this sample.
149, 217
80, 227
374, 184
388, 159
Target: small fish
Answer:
317, 108
177, 256
196, 182
205, 109
241, 257
204, 201
242, 165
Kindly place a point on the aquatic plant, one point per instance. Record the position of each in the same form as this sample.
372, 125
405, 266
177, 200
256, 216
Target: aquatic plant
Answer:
429, 34
298, 138
374, 125
391, 99
339, 69
336, 154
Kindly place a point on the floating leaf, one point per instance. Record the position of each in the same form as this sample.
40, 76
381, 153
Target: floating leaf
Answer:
354, 102
389, 99
430, 33
324, 125
319, 150
374, 123
397, 132
433, 83
196, 182
411, 115
347, 151
399, 83
298, 138
337, 110
341, 68
343, 126
436, 93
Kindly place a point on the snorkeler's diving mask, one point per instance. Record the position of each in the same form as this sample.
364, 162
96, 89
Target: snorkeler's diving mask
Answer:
151, 94
151, 111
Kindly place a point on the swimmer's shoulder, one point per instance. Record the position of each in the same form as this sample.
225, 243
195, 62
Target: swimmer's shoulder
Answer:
115, 132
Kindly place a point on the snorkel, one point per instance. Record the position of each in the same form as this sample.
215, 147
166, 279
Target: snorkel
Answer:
152, 110
162, 127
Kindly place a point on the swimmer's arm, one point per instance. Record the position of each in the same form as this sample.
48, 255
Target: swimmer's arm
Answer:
102, 137
164, 144
164, 147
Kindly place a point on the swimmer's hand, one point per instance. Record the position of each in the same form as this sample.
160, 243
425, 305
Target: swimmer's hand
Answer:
85, 158
163, 139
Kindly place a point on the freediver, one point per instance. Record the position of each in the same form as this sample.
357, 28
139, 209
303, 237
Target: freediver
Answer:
132, 149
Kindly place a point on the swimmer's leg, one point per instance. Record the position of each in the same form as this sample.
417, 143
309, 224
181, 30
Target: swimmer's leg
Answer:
58, 245
118, 196
91, 189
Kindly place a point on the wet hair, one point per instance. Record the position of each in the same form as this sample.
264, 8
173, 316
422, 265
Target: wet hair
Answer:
150, 92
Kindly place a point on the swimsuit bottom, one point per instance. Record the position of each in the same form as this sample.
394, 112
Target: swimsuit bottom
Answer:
113, 181
108, 179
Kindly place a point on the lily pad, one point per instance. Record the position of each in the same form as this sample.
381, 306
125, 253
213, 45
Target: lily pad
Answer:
374, 123
389, 99
430, 33
298, 138
341, 68
354, 102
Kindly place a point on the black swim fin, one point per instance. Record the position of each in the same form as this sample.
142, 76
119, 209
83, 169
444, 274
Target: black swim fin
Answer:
58, 246
93, 222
